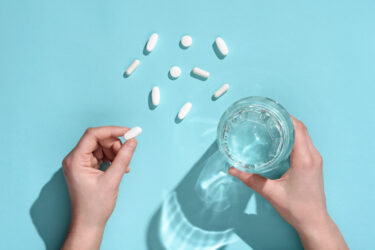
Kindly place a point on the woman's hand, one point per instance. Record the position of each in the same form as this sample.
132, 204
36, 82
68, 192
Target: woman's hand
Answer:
298, 196
93, 193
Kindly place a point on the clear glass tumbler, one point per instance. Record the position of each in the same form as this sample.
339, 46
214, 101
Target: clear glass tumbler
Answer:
256, 134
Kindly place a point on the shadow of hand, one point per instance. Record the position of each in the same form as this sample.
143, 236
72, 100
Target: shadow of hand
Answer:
50, 212
266, 229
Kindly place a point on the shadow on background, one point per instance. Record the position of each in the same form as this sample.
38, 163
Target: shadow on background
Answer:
50, 212
185, 221
217, 51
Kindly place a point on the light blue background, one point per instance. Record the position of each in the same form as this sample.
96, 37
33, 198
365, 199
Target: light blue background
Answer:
61, 71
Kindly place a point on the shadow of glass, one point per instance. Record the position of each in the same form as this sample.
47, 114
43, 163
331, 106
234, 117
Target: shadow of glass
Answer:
50, 212
189, 220
186, 221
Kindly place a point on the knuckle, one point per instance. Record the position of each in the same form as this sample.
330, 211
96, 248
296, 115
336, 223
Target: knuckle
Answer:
66, 162
89, 131
132, 144
300, 126
319, 159
307, 161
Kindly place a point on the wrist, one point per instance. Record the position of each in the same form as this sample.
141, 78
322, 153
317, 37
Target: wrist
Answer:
322, 234
320, 221
83, 236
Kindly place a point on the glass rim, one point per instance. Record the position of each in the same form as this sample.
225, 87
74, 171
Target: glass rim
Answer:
278, 112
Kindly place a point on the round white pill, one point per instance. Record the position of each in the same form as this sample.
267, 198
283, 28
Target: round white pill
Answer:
175, 71
134, 132
186, 41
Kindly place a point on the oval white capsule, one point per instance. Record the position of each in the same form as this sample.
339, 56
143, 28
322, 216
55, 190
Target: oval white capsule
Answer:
221, 90
134, 132
155, 96
132, 67
175, 71
186, 41
222, 47
201, 72
152, 41
184, 111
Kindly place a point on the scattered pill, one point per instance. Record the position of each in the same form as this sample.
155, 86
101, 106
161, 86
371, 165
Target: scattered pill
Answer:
186, 41
155, 96
175, 71
132, 67
184, 111
201, 72
134, 132
221, 90
152, 41
222, 46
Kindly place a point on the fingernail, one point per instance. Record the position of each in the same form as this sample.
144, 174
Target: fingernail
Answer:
131, 143
233, 171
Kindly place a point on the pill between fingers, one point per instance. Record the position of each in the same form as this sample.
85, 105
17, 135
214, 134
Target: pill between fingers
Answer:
134, 132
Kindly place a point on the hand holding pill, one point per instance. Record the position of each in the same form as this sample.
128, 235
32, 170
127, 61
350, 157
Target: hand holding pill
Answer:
93, 192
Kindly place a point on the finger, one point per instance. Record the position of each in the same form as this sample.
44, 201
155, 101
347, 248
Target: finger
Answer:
310, 144
89, 141
122, 160
110, 147
116, 146
301, 144
98, 154
109, 154
109, 142
259, 184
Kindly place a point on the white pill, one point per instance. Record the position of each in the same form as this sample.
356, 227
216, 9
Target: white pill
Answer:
175, 71
186, 41
221, 90
201, 72
222, 46
152, 41
134, 132
184, 111
132, 67
155, 96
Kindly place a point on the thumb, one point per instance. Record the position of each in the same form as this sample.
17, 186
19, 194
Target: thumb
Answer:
265, 187
120, 165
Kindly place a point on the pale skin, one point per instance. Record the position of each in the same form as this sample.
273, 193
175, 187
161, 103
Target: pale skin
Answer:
298, 195
93, 192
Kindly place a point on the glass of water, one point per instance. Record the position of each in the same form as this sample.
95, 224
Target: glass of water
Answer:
256, 134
